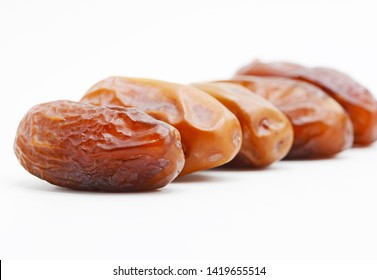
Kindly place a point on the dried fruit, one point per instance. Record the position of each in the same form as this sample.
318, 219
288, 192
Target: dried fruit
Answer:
211, 134
267, 134
356, 99
321, 126
86, 147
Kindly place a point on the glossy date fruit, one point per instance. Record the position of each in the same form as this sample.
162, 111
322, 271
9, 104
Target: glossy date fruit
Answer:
267, 134
321, 126
98, 148
211, 134
356, 99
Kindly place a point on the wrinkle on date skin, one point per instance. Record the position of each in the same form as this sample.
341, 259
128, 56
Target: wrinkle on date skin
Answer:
321, 126
99, 158
207, 128
357, 100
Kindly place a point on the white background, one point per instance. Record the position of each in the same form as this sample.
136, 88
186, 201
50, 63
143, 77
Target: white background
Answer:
49, 50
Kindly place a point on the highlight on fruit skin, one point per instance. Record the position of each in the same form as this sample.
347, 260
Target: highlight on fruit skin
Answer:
357, 100
321, 126
211, 134
267, 134
97, 148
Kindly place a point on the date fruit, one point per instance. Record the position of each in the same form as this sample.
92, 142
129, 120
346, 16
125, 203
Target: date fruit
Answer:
321, 127
211, 134
267, 134
356, 99
98, 148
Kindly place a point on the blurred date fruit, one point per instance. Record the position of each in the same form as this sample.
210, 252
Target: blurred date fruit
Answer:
211, 134
267, 134
356, 99
98, 148
321, 127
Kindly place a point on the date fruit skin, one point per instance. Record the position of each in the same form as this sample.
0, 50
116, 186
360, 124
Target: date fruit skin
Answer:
355, 99
97, 148
267, 134
321, 127
211, 134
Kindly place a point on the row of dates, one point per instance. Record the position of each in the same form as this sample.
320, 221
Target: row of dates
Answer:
133, 134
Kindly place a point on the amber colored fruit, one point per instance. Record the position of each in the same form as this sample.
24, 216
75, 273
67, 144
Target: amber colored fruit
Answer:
321, 127
98, 148
211, 134
355, 99
267, 134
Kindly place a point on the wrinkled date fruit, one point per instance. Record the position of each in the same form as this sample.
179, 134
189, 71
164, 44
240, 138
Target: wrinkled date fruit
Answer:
98, 148
321, 127
356, 99
211, 134
267, 134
